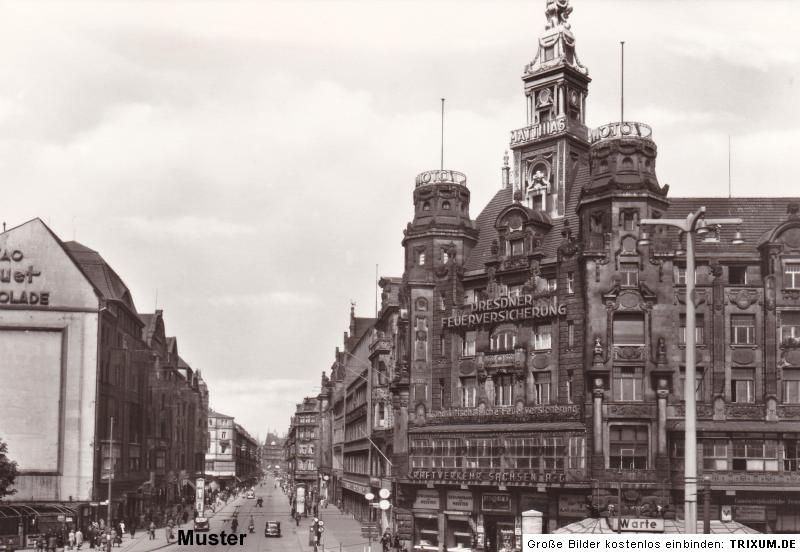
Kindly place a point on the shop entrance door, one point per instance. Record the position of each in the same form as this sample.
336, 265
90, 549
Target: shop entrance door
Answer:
500, 534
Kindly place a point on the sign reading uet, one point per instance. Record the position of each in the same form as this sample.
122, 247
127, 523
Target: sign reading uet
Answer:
505, 309
12, 272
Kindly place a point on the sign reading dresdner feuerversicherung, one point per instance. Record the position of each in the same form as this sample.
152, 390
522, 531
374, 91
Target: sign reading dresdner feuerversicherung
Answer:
505, 309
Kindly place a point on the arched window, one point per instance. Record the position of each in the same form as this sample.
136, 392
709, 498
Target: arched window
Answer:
503, 339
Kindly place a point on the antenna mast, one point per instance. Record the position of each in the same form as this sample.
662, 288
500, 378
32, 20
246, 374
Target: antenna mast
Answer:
622, 81
441, 160
729, 166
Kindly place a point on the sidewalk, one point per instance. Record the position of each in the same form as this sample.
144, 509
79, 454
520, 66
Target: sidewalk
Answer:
342, 532
141, 541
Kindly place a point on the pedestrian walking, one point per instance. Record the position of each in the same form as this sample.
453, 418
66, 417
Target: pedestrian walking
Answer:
396, 543
79, 538
39, 544
121, 529
152, 530
52, 542
185, 516
10, 545
132, 529
71, 539
386, 541
297, 519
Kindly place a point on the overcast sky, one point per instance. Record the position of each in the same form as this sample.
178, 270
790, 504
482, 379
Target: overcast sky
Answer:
249, 163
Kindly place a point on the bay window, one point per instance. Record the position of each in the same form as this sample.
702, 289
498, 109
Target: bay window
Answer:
628, 382
503, 390
542, 336
755, 455
743, 329
628, 329
628, 447
743, 385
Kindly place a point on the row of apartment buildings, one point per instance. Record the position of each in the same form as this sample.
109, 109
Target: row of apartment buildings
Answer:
77, 354
533, 357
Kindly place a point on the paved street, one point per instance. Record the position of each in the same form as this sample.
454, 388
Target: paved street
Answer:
341, 531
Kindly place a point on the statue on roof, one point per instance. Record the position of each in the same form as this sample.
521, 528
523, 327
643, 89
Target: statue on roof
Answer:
557, 12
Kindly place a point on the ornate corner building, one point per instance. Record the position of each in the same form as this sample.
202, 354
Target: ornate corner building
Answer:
534, 355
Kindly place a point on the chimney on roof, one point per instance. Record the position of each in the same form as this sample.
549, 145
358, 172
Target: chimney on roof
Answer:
352, 318
506, 173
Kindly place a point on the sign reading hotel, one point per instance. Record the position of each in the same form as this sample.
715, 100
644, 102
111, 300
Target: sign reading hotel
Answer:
505, 309
620, 130
537, 132
14, 270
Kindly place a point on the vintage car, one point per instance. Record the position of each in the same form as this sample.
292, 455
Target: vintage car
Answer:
201, 524
272, 529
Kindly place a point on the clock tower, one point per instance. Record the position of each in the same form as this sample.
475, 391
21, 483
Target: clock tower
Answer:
547, 151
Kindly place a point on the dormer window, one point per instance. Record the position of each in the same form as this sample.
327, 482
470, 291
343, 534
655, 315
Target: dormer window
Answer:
516, 247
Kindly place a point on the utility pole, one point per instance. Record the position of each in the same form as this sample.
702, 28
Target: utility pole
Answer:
110, 470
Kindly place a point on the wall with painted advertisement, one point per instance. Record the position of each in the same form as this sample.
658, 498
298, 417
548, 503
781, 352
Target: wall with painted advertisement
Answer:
48, 334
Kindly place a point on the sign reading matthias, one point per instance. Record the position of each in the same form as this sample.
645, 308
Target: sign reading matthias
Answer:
505, 309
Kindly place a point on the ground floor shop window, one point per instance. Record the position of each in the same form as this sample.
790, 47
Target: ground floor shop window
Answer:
459, 534
426, 534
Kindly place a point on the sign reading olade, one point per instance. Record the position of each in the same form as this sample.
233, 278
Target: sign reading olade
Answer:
11, 272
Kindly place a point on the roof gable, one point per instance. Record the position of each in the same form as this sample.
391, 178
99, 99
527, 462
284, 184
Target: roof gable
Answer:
48, 274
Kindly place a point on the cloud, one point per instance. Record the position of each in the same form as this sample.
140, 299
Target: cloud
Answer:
269, 299
186, 227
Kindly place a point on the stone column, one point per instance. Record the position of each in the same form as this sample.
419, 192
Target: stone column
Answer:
597, 416
661, 393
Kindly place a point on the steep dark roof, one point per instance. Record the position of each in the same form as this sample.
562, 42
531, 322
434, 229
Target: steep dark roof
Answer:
100, 273
552, 240
759, 215
215, 414
486, 233
362, 326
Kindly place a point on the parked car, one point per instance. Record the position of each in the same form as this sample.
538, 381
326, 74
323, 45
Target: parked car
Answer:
201, 524
273, 529
250, 494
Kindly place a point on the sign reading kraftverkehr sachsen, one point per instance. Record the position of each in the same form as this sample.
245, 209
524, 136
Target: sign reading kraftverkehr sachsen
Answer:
506, 309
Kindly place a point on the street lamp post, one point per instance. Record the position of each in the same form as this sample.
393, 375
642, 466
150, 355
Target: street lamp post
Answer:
694, 224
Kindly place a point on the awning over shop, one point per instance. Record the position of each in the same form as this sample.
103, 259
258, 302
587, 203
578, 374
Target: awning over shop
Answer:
739, 426
495, 428
601, 525
21, 510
